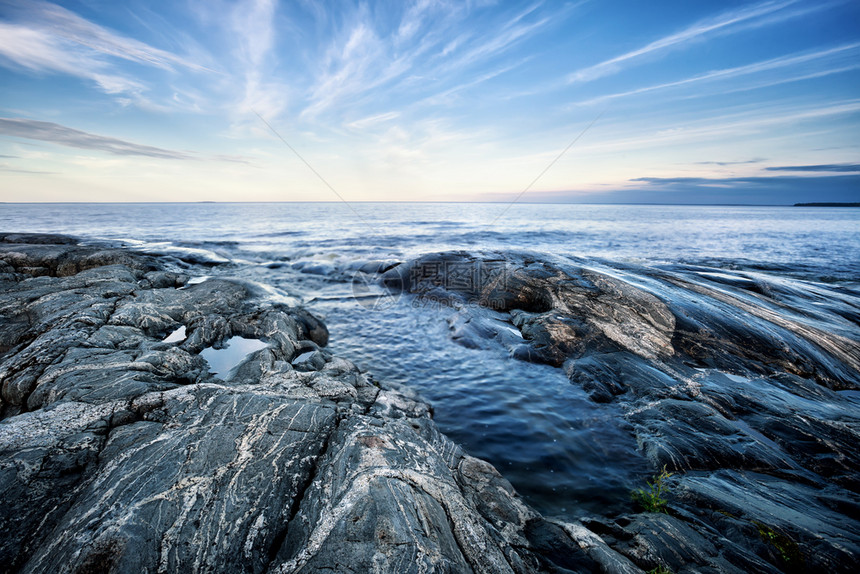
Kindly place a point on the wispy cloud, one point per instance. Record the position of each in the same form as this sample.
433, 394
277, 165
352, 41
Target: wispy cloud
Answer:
424, 55
67, 25
836, 54
413, 19
70, 137
728, 163
753, 190
254, 34
733, 20
45, 37
10, 169
445, 95
726, 181
832, 167
504, 37
373, 120
41, 51
731, 126
355, 63
232, 159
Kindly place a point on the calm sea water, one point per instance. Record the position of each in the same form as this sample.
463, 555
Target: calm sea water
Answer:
562, 452
815, 242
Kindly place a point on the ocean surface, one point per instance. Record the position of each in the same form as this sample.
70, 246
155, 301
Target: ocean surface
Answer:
563, 453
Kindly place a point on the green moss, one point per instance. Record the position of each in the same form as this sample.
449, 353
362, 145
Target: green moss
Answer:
652, 499
660, 570
788, 549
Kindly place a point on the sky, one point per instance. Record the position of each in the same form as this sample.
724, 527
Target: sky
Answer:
595, 101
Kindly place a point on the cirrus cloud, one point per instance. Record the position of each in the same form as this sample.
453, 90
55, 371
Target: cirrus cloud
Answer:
70, 137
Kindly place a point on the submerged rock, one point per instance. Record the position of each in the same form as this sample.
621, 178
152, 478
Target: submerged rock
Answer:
742, 385
120, 452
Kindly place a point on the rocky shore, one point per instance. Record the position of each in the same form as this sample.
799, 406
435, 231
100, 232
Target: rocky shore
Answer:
742, 390
121, 452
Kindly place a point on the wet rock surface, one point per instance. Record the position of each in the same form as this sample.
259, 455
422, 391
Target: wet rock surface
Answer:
743, 386
121, 452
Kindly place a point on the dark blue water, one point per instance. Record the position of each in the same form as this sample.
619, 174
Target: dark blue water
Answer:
562, 452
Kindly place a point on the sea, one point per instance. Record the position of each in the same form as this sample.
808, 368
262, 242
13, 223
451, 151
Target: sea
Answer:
563, 453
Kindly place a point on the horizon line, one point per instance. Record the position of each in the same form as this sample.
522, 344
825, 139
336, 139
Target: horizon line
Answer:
205, 202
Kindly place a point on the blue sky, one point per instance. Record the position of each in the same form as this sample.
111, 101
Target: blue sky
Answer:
667, 102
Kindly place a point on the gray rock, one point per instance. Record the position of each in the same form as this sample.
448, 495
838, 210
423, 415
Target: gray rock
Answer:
735, 384
309, 361
120, 453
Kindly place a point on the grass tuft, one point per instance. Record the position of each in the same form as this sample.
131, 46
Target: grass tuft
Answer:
788, 549
653, 498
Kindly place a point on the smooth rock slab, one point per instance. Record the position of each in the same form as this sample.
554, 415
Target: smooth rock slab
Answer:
204, 481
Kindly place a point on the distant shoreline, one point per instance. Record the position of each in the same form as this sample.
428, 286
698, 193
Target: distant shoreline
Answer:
827, 204
359, 202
